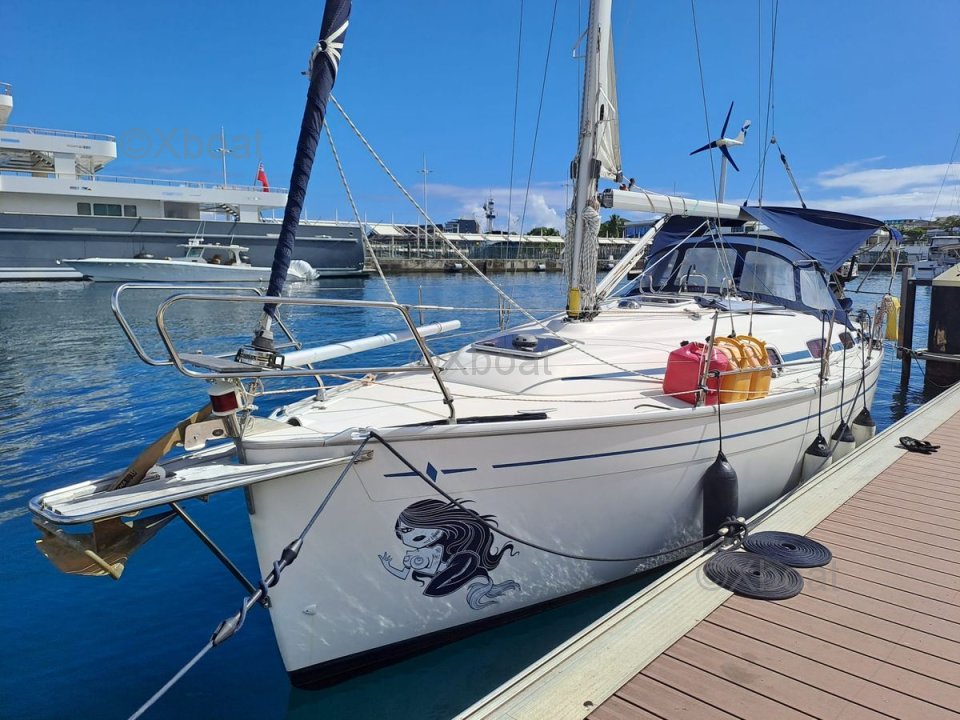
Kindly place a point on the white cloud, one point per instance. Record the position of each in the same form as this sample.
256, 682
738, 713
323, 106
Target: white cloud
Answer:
911, 204
850, 167
886, 180
920, 191
544, 205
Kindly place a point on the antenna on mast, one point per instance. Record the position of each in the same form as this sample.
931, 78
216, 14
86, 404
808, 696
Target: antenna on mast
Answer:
224, 151
722, 143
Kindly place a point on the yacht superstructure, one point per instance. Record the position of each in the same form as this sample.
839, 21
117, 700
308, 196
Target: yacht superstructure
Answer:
55, 202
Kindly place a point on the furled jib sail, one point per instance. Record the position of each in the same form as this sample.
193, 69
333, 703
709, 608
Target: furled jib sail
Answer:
598, 155
322, 70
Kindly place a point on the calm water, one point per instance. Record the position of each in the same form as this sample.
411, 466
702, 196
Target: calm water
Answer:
76, 403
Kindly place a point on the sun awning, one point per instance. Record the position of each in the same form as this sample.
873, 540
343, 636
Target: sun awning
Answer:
830, 238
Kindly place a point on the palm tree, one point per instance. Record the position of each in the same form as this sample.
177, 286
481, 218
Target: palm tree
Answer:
613, 227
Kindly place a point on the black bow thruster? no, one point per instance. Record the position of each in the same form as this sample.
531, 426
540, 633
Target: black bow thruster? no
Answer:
753, 576
788, 548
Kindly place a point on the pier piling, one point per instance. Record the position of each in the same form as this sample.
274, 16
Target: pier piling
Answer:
908, 291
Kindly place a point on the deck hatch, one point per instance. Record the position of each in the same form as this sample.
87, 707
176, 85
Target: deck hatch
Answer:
520, 344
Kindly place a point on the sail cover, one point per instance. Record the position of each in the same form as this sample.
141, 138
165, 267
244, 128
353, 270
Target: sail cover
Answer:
324, 61
830, 238
608, 116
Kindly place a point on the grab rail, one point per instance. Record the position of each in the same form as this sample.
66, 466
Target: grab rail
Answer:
237, 370
132, 336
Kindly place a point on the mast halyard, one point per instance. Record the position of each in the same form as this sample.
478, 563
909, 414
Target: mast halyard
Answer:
598, 155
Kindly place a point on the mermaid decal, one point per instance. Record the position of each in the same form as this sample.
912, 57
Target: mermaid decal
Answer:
449, 545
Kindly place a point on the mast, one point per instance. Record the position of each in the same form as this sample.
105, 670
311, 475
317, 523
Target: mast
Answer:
598, 155
322, 72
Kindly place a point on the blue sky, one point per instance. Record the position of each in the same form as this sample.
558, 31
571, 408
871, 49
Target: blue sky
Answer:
866, 100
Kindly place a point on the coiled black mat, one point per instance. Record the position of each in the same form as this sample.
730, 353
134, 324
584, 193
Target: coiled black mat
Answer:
788, 548
753, 576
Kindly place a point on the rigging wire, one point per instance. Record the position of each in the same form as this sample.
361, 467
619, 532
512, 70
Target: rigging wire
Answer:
356, 214
946, 173
759, 90
456, 250
724, 261
764, 147
703, 94
770, 121
769, 124
516, 109
536, 129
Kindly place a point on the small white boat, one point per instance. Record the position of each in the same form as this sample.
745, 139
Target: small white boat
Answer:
944, 253
201, 262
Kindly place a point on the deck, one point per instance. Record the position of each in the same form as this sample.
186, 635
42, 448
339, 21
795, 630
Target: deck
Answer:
875, 634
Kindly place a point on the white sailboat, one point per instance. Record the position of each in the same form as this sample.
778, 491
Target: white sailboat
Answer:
424, 501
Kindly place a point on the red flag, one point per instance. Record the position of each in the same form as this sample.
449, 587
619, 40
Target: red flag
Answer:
262, 178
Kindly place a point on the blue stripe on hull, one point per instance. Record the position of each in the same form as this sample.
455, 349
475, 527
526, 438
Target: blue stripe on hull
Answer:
616, 453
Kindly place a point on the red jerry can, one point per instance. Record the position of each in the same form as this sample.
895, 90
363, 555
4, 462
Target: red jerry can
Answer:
685, 368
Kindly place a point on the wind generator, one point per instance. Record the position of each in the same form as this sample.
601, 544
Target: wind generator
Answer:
722, 143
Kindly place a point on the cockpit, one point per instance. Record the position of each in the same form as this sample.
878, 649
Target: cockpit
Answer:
754, 268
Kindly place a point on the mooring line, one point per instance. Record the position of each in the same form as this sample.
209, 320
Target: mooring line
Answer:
529, 543
230, 626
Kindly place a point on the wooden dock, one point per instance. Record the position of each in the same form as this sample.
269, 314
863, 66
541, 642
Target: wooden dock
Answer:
875, 634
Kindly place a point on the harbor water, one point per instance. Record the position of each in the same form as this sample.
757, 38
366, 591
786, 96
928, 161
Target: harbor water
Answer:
76, 403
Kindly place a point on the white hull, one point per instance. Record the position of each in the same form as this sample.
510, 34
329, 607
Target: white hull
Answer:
573, 433
614, 487
122, 270
579, 449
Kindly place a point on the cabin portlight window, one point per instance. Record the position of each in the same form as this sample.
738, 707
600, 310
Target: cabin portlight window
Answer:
129, 210
816, 347
776, 361
84, 209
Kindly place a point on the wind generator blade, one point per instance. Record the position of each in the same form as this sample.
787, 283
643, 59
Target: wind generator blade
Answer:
728, 156
708, 146
723, 133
